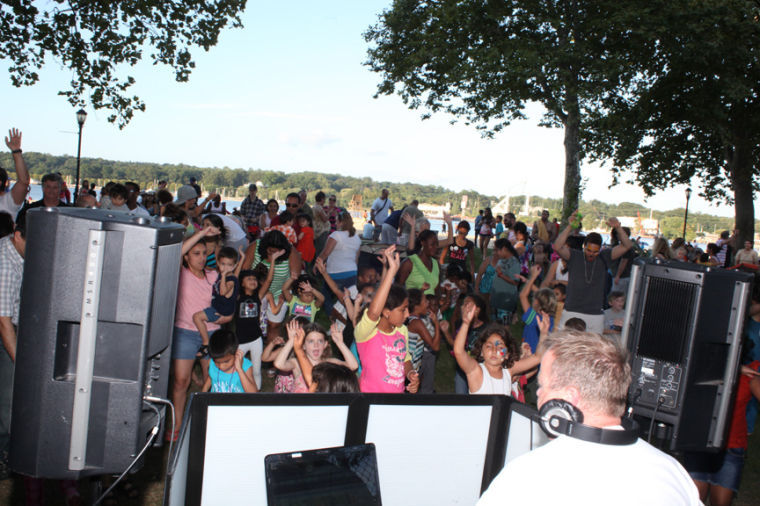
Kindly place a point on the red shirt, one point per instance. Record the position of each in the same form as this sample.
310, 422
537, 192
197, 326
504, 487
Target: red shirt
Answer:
306, 244
737, 435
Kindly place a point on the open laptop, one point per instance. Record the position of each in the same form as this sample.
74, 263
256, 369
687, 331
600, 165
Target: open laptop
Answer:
345, 475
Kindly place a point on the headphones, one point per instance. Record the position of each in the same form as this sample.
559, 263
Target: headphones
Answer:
558, 416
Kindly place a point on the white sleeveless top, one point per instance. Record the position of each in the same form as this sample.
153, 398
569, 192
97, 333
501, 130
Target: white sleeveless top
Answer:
493, 385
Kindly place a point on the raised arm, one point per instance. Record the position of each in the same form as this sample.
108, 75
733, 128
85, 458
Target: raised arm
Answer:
349, 360
264, 288
449, 231
391, 261
625, 241
551, 275
319, 266
530, 362
246, 377
269, 353
303, 361
286, 293
193, 239
18, 192
318, 297
468, 364
535, 270
281, 362
560, 245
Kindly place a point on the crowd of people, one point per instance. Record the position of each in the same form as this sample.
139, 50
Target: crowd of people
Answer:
253, 283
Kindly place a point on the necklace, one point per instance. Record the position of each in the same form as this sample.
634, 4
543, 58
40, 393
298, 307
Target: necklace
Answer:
588, 278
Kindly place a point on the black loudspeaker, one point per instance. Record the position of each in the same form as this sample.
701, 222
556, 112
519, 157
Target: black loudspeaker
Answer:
94, 335
683, 329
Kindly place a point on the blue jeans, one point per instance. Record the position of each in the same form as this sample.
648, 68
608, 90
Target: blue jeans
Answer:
330, 296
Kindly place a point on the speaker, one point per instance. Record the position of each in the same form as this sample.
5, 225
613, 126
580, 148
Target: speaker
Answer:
94, 336
683, 329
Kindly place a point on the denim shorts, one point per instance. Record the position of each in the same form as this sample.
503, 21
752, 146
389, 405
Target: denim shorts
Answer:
185, 344
723, 469
211, 314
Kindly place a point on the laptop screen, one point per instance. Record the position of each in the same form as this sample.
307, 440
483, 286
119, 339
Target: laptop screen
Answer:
345, 475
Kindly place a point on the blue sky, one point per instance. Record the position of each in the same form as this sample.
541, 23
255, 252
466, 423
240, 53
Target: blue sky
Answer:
289, 92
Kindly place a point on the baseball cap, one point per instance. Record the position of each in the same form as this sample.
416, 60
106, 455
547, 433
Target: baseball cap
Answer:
185, 193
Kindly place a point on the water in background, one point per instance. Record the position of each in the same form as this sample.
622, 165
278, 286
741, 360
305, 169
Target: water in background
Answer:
436, 224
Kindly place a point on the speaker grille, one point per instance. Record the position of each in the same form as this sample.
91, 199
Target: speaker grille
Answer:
665, 324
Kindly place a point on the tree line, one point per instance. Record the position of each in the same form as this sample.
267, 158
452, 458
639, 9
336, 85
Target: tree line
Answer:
233, 183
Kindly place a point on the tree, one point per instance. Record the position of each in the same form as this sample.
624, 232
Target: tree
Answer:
693, 111
483, 60
93, 39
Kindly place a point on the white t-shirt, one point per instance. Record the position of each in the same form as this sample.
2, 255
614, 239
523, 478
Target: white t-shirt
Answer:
570, 471
493, 385
234, 232
343, 257
382, 208
8, 205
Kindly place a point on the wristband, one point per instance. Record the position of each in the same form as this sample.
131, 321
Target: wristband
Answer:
15, 151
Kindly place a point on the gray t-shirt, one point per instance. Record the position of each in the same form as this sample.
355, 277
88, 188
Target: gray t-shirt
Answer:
586, 282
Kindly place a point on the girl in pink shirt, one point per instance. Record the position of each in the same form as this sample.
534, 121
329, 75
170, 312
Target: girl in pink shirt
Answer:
381, 336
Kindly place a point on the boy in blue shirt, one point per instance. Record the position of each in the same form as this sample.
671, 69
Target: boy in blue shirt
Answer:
229, 370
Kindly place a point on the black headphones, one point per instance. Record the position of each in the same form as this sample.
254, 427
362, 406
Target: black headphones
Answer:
558, 416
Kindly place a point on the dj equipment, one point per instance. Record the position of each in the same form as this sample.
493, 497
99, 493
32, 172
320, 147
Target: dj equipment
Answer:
339, 476
94, 335
683, 329
558, 416
221, 452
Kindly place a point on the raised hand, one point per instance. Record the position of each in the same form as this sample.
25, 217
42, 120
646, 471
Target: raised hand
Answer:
292, 328
468, 312
408, 218
535, 270
239, 360
305, 287
336, 333
13, 141
298, 338
392, 258
447, 217
425, 286
210, 231
319, 264
444, 326
613, 222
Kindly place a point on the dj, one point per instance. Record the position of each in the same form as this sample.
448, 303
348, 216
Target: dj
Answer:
583, 382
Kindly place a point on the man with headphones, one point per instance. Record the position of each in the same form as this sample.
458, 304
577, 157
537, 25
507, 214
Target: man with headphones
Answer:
596, 457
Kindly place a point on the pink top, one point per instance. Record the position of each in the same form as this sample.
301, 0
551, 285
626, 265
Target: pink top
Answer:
193, 295
382, 357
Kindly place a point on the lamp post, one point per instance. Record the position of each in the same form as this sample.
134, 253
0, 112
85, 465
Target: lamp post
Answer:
686, 211
81, 117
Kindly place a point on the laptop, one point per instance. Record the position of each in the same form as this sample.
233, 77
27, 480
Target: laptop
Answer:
341, 476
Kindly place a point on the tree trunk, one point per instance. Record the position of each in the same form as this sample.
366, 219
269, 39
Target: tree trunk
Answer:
740, 167
572, 188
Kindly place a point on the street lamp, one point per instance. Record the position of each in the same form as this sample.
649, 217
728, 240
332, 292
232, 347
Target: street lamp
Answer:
81, 117
686, 211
